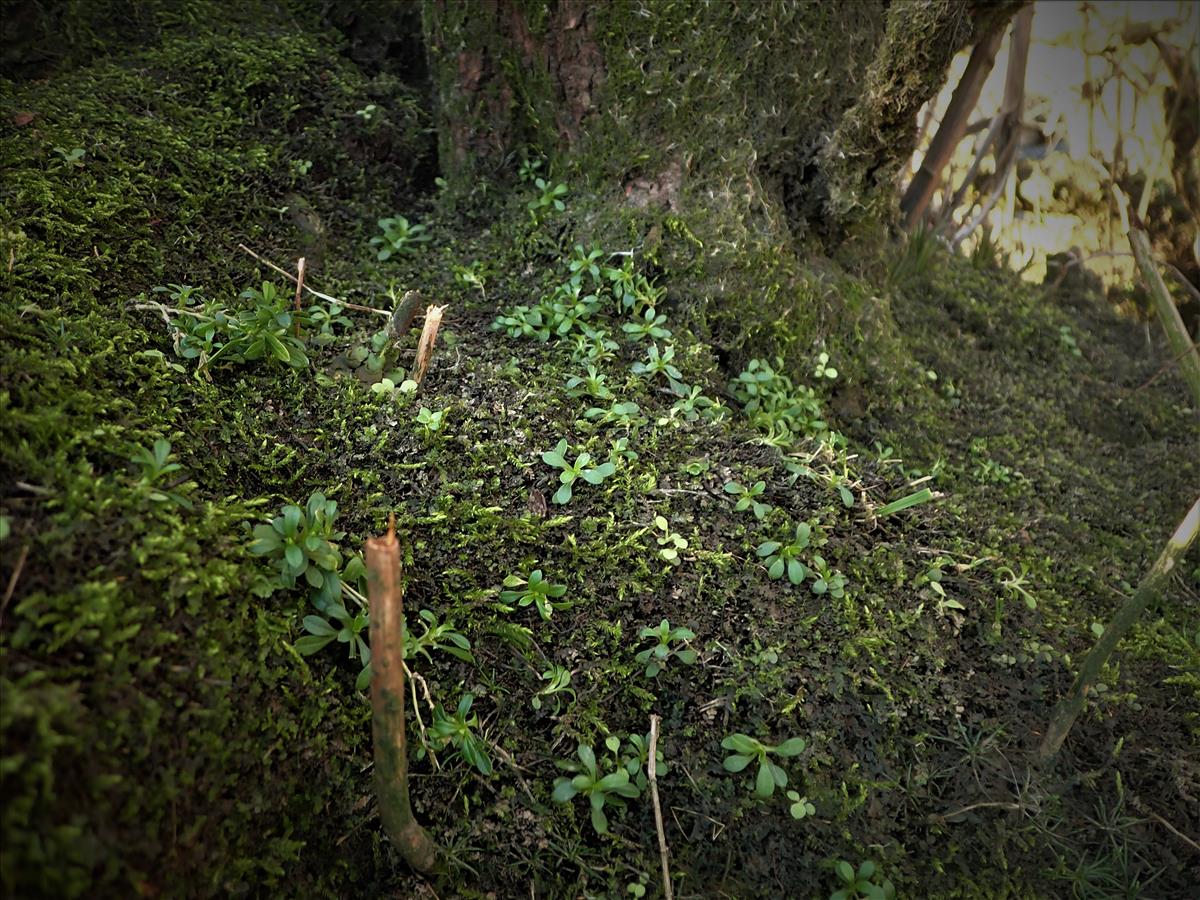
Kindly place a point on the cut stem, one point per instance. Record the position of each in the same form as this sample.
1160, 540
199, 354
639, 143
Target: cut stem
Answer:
387, 703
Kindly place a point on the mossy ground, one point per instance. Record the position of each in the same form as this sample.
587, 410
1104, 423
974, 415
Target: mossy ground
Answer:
162, 736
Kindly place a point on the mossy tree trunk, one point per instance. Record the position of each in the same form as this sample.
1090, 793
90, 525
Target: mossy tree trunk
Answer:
812, 105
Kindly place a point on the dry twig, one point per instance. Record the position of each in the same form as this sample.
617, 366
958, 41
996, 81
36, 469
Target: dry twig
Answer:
652, 768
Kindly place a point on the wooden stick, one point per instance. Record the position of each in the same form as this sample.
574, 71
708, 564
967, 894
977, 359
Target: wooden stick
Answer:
652, 771
290, 277
299, 288
387, 703
433, 321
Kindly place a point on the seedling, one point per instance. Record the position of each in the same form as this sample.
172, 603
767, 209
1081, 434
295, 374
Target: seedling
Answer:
781, 557
430, 422
746, 497
649, 324
601, 790
558, 686
533, 590
827, 580
867, 883
581, 468
592, 384
349, 631
471, 276
458, 731
437, 636
529, 169
636, 765
669, 542
155, 463
747, 750
1014, 585
801, 807
548, 198
399, 237
593, 345
301, 542
671, 642
585, 262
693, 404
626, 414
822, 369
658, 364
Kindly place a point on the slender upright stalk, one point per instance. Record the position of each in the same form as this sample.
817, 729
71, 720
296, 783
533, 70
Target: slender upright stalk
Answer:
1069, 708
387, 703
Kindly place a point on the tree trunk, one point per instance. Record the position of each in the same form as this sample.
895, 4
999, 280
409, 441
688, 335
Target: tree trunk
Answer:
811, 106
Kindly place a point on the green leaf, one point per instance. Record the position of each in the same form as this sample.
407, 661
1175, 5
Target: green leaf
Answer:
294, 556
599, 820
764, 783
845, 871
766, 548
741, 743
587, 756
776, 570
363, 681
317, 625
922, 496
795, 571
563, 494
556, 456
737, 762
564, 790
310, 644
791, 747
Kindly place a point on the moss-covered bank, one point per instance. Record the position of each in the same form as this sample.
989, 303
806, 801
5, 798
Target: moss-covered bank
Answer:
162, 735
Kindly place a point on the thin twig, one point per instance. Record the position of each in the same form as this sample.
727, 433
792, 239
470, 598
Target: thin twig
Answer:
12, 580
412, 684
290, 277
663, 853
967, 809
1171, 828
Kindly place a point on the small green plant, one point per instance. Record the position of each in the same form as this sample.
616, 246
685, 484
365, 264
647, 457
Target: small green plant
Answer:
534, 590
557, 687
301, 543
783, 411
827, 581
1067, 340
593, 345
436, 636
155, 464
669, 542
266, 330
657, 364
692, 404
592, 384
800, 807
399, 237
670, 643
648, 325
636, 763
471, 276
867, 882
783, 557
529, 169
458, 730
600, 789
1014, 585
367, 112
581, 468
549, 197
625, 413
430, 422
822, 369
349, 630
747, 750
586, 262
931, 584
747, 497
73, 157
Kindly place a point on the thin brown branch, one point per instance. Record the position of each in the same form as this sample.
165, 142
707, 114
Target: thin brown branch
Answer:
12, 580
299, 289
292, 278
652, 771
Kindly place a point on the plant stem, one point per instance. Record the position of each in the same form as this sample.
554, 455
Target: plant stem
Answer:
387, 703
652, 773
1069, 708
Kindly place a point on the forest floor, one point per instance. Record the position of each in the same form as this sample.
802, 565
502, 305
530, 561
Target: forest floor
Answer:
170, 727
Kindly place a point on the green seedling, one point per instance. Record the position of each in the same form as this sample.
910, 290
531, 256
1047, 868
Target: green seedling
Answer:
747, 750
349, 631
626, 414
601, 790
648, 325
781, 557
637, 763
529, 170
557, 687
471, 276
866, 883
156, 464
430, 422
399, 237
265, 331
548, 198
585, 262
458, 730
822, 369
670, 642
592, 385
827, 580
1014, 585
581, 468
914, 499
301, 543
747, 497
931, 580
692, 404
658, 364
593, 345
437, 636
535, 590
801, 807
669, 542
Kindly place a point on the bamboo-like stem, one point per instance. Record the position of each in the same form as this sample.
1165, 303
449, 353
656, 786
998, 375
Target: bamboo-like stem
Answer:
1168, 314
652, 772
387, 703
950, 131
1069, 708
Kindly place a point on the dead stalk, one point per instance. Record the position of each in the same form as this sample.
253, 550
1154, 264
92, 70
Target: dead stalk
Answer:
652, 771
433, 321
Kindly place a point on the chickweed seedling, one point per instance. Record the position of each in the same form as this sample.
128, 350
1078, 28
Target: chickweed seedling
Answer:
458, 730
301, 543
349, 630
866, 883
801, 807
534, 590
399, 236
557, 687
781, 557
581, 468
671, 642
600, 789
669, 542
648, 325
748, 750
822, 369
430, 422
658, 363
747, 497
548, 197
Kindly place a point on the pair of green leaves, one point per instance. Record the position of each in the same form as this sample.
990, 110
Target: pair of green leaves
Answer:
670, 642
581, 468
747, 750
